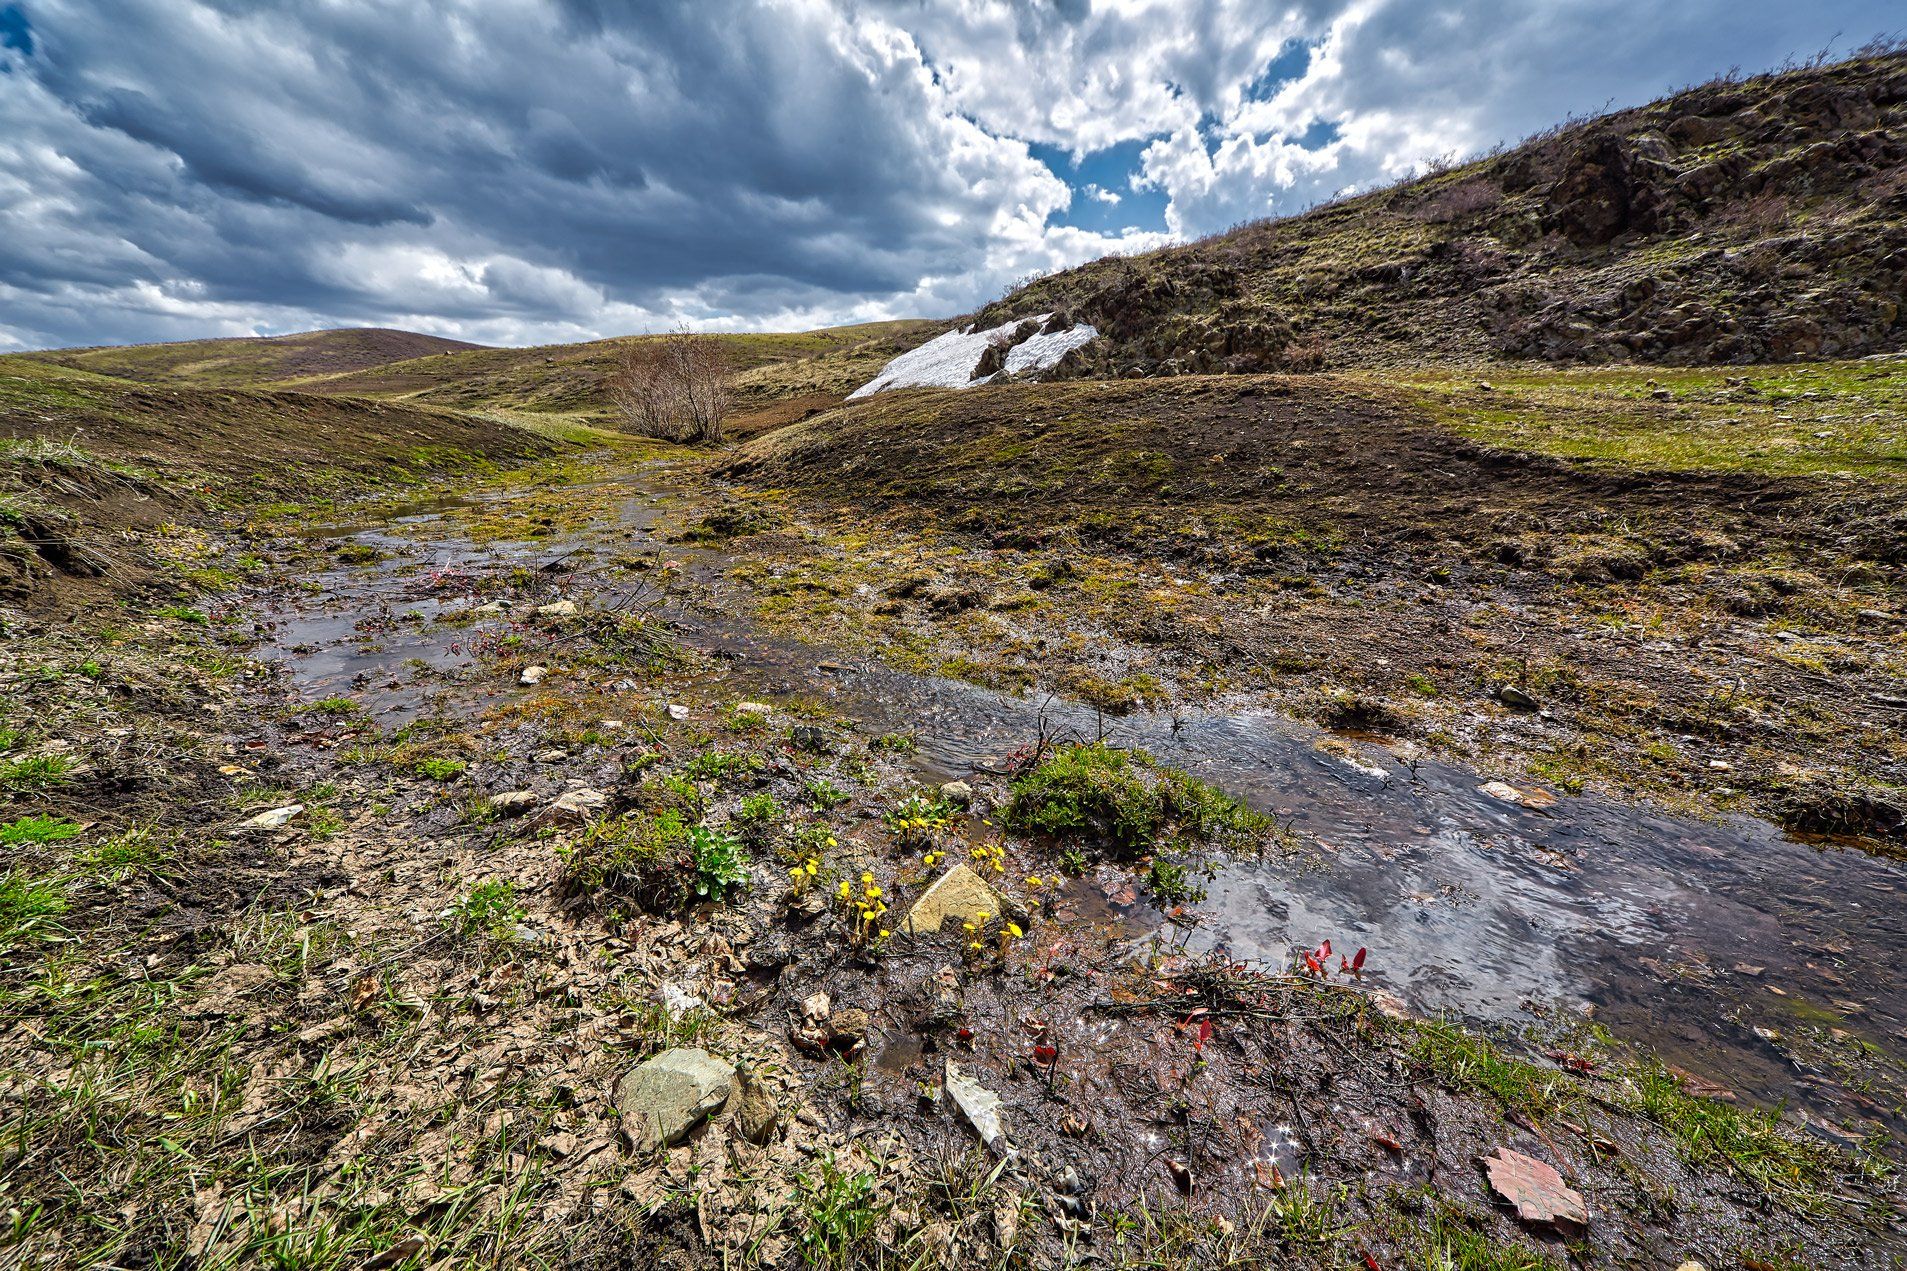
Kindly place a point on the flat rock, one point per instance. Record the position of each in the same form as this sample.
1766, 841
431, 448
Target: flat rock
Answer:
753, 708
678, 711
557, 609
514, 802
532, 675
958, 894
664, 1098
1535, 1189
579, 804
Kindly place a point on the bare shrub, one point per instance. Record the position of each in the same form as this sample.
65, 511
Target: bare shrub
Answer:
675, 387
1460, 201
1306, 353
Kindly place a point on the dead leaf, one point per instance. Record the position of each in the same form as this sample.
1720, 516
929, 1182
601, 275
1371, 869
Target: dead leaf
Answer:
1535, 1189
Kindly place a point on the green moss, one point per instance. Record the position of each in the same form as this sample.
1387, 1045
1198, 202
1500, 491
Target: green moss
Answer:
1124, 800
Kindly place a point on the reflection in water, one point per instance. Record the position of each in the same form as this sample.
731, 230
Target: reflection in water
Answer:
1682, 935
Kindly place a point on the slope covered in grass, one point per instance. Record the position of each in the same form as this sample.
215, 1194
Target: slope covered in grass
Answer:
1741, 221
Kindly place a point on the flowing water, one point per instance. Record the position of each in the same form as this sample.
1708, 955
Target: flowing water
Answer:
1718, 945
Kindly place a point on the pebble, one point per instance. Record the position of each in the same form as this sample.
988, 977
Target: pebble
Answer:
533, 675
275, 819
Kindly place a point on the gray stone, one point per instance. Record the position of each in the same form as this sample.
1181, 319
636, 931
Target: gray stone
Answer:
557, 609
958, 793
664, 1098
1511, 695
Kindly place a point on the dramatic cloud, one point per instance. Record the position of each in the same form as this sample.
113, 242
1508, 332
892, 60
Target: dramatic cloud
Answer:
519, 170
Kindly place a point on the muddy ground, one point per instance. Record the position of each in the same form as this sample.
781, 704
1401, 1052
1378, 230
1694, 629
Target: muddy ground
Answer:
1720, 641
390, 1030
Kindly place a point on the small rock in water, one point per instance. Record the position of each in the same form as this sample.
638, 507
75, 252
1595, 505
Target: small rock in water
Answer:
1504, 792
1535, 1189
958, 793
557, 609
276, 819
514, 802
533, 675
664, 1098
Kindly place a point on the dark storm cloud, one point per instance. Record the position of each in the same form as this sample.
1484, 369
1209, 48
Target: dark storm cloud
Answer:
550, 169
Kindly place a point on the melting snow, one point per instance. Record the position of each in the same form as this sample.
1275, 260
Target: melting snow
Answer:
947, 361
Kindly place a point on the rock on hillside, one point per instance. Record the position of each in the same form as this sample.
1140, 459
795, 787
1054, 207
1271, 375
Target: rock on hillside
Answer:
1741, 221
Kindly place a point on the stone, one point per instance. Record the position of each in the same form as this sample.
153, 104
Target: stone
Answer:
753, 708
981, 1107
662, 1099
958, 793
959, 894
557, 609
757, 1116
276, 819
1511, 695
677, 711
514, 802
532, 675
579, 804
1504, 792
1535, 1190
551, 756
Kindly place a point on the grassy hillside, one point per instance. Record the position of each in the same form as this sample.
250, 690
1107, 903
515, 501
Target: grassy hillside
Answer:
91, 464
241, 363
1742, 221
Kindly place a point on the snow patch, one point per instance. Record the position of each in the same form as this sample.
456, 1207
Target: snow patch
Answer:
947, 361
1043, 351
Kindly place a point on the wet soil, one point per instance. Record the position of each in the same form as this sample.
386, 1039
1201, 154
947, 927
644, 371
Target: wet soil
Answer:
1759, 961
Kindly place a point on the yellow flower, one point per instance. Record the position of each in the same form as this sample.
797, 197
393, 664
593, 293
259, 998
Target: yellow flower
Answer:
866, 877
967, 926
1033, 880
975, 945
1013, 929
873, 893
885, 933
982, 916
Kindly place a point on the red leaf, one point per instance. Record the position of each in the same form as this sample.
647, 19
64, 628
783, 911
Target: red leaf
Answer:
1324, 950
1046, 1054
1370, 1262
1357, 961
1316, 969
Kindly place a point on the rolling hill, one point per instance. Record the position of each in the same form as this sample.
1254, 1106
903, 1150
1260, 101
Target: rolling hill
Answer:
247, 362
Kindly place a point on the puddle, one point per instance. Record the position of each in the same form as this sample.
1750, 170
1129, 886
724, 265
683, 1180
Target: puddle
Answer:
1680, 935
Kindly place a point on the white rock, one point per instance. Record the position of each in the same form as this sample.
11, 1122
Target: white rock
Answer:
533, 675
753, 708
678, 711
557, 609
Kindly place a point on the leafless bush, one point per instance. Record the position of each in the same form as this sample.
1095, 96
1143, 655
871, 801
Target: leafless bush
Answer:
674, 387
1306, 353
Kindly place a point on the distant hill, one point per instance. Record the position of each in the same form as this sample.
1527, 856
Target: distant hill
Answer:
1741, 221
250, 361
774, 369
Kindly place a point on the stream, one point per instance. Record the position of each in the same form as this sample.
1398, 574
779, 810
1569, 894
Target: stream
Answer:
1728, 948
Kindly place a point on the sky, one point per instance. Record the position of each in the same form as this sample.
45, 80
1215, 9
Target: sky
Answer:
536, 171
